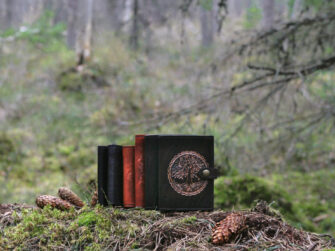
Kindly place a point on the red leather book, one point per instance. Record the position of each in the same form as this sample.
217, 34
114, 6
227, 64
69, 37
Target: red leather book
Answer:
128, 176
139, 170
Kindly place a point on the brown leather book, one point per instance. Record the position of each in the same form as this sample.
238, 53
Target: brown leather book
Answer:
128, 176
139, 170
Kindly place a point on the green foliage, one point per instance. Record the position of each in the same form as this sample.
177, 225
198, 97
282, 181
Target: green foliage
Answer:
252, 17
8, 153
314, 3
42, 34
206, 4
322, 87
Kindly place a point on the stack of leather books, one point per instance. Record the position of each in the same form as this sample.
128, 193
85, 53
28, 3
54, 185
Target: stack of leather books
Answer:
161, 172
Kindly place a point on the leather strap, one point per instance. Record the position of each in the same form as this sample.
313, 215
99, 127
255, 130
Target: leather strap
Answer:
213, 173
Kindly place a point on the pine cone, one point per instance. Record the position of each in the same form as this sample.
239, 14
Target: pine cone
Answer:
94, 199
66, 194
224, 229
43, 200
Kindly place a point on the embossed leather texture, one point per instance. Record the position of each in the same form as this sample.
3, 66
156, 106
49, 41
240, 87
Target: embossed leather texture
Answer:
173, 165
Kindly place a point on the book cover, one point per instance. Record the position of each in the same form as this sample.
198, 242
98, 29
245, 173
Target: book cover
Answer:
184, 172
128, 176
139, 171
115, 175
102, 174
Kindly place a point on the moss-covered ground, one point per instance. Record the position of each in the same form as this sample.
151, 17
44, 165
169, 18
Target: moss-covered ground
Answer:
136, 229
306, 200
98, 229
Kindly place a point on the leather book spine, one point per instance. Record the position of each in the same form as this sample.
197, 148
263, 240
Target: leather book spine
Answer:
151, 171
139, 171
115, 173
128, 176
102, 174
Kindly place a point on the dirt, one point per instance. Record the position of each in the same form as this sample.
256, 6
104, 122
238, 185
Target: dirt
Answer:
5, 208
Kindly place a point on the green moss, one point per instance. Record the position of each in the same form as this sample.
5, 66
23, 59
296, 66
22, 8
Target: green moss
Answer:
189, 220
87, 219
300, 198
314, 197
71, 81
243, 191
100, 229
6, 146
93, 247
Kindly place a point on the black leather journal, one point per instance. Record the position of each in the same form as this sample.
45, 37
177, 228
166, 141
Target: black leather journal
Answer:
179, 171
102, 174
115, 171
151, 171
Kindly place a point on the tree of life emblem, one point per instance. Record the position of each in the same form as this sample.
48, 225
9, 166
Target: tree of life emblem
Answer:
183, 173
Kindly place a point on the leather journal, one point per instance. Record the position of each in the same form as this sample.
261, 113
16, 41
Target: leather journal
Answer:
115, 175
161, 172
102, 174
179, 172
139, 171
128, 176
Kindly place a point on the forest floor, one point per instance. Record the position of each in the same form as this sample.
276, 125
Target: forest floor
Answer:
25, 227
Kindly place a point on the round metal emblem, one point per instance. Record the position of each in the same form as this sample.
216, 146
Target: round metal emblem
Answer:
183, 173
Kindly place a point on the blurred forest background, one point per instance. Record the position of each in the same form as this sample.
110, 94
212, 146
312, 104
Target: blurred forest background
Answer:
256, 74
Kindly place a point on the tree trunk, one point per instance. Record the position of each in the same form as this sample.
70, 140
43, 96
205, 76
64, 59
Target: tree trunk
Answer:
9, 13
88, 31
207, 26
61, 12
116, 11
2, 14
72, 10
297, 7
135, 27
237, 6
48, 5
268, 13
220, 12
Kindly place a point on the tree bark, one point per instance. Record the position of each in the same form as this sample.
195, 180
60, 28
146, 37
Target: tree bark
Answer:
146, 20
9, 13
135, 26
207, 26
220, 12
237, 5
297, 7
88, 31
116, 11
268, 13
72, 10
